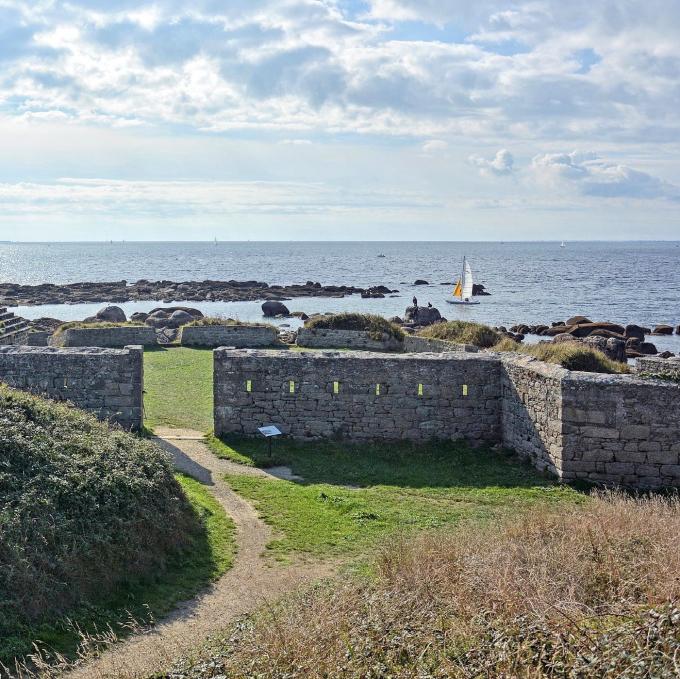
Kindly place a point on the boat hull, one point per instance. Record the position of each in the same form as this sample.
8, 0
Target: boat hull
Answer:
452, 301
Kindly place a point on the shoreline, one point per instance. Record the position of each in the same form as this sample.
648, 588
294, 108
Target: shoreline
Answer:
15, 294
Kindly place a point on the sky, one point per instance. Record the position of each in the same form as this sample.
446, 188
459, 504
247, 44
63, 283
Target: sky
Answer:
339, 119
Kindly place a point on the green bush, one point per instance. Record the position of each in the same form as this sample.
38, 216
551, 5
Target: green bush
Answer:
86, 509
462, 332
377, 326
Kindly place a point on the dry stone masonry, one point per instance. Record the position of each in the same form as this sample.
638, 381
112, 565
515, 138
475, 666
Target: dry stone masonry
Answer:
415, 344
228, 335
105, 382
668, 368
13, 329
113, 337
357, 395
612, 429
330, 338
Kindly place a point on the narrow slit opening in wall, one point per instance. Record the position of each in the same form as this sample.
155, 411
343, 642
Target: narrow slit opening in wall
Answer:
291, 387
249, 386
420, 390
465, 390
336, 387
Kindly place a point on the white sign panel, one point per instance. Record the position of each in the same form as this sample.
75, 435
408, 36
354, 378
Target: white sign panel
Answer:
270, 430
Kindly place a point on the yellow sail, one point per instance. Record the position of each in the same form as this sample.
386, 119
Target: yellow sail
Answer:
458, 292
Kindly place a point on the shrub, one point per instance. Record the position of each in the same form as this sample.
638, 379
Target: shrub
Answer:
85, 509
570, 355
376, 326
587, 591
462, 332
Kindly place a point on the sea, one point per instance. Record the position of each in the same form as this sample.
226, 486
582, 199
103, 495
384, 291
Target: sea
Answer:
528, 282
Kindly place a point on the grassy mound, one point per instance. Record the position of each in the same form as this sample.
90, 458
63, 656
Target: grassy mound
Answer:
86, 512
376, 326
590, 591
462, 332
217, 320
75, 325
570, 355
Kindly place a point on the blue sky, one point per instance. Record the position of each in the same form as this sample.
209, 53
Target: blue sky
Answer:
339, 119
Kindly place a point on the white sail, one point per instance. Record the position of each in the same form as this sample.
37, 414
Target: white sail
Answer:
467, 281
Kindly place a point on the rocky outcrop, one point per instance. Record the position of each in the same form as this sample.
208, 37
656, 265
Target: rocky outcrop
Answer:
272, 309
422, 315
478, 290
111, 314
662, 330
420, 281
168, 291
612, 348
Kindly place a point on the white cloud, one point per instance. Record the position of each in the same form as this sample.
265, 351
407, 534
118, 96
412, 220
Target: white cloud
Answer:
177, 198
590, 175
502, 164
433, 146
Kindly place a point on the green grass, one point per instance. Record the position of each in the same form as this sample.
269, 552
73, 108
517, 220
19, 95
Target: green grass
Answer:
352, 495
208, 555
178, 388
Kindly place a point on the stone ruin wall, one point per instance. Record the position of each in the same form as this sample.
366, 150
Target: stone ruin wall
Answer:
228, 336
665, 367
330, 338
531, 419
415, 344
612, 429
357, 395
114, 337
105, 382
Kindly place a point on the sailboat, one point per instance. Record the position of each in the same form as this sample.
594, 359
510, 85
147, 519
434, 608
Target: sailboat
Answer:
464, 287
562, 244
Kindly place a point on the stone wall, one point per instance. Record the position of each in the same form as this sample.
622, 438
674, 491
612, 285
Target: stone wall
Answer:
611, 429
326, 338
105, 382
13, 329
238, 336
114, 337
532, 410
358, 395
621, 430
667, 367
415, 344
38, 338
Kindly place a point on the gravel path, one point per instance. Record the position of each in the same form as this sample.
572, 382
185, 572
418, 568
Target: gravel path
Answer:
251, 582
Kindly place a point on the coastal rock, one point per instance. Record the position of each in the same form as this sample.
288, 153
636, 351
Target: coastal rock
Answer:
677, 330
396, 320
478, 290
300, 314
564, 337
666, 354
111, 314
647, 348
586, 329
556, 330
139, 317
272, 308
577, 320
195, 313
422, 315
420, 281
663, 330
179, 318
612, 348
633, 330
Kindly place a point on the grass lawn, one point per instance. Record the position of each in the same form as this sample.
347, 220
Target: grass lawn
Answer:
178, 388
353, 495
209, 555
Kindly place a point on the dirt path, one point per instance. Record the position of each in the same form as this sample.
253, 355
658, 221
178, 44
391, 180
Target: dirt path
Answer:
250, 583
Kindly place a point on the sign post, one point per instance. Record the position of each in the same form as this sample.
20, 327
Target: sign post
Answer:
270, 432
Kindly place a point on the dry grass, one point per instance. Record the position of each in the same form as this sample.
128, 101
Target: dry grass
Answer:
584, 592
376, 326
570, 355
462, 332
221, 320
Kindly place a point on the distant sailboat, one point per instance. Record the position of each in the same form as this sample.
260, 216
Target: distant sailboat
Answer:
562, 244
464, 287
215, 240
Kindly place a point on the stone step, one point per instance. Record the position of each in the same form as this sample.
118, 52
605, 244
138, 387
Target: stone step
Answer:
15, 337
